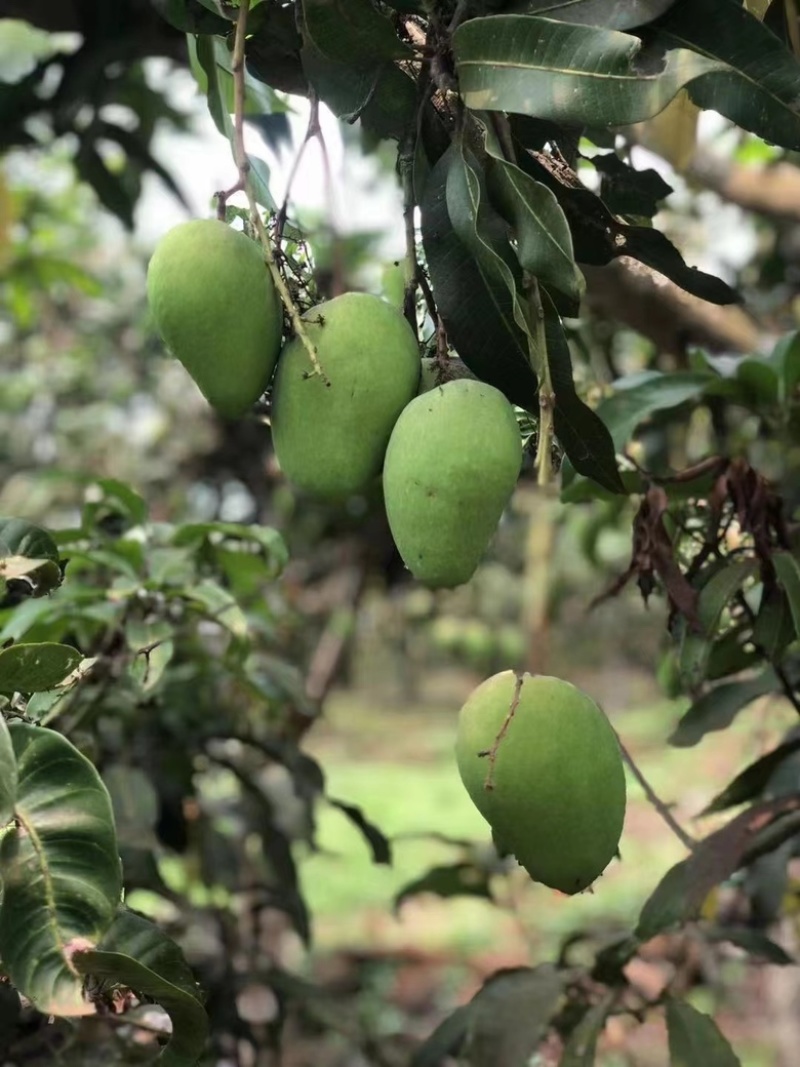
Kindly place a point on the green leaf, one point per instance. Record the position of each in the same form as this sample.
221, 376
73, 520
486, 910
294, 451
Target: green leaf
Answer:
627, 191
788, 571
717, 708
60, 870
20, 538
574, 75
757, 86
8, 775
111, 189
352, 32
581, 432
608, 14
509, 1015
136, 954
774, 627
694, 1038
785, 361
446, 1040
543, 239
753, 942
753, 780
476, 306
638, 396
36, 667
581, 1045
266, 538
190, 17
219, 605
457, 880
118, 498
378, 843
682, 891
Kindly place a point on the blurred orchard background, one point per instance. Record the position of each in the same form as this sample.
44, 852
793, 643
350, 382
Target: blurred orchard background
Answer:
87, 394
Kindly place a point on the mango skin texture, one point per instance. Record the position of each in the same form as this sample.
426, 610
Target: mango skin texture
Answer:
451, 467
216, 308
330, 440
557, 796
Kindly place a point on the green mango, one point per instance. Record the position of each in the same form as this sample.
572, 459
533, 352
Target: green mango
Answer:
330, 433
216, 308
451, 467
554, 793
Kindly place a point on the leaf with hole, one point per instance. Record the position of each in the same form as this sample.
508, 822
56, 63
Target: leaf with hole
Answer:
60, 870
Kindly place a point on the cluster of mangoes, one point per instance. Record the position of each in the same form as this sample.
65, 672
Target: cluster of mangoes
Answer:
537, 756
449, 455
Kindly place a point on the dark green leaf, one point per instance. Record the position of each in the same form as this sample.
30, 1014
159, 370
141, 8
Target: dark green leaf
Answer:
445, 1041
695, 1039
509, 1015
36, 667
135, 803
569, 74
785, 361
607, 14
273, 51
458, 880
477, 310
188, 16
116, 497
8, 775
774, 627
579, 1050
627, 191
788, 571
377, 841
717, 708
680, 894
582, 433
352, 32
757, 87
753, 780
60, 869
543, 239
752, 941
112, 190
136, 954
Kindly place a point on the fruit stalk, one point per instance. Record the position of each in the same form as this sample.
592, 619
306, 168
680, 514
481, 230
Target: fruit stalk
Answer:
547, 398
243, 166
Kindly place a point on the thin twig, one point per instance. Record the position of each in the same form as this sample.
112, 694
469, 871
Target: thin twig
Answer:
243, 165
311, 131
663, 809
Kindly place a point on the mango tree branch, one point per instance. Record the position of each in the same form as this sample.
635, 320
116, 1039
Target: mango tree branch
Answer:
243, 166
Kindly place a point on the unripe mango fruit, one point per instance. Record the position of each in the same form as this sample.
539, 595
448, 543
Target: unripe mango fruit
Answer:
330, 431
451, 467
216, 308
543, 766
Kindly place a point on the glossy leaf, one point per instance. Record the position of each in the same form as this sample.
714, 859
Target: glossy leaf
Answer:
694, 1038
607, 14
543, 239
477, 310
717, 708
575, 75
352, 32
788, 571
60, 870
36, 667
19, 538
757, 87
134, 953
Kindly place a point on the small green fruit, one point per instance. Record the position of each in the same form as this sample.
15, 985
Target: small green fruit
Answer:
215, 306
330, 439
435, 373
451, 467
551, 782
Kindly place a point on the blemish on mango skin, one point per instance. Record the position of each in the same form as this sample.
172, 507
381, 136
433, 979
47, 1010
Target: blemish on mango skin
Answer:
543, 765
